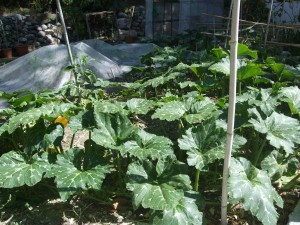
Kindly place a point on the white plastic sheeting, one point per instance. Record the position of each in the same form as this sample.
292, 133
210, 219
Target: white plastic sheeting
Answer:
44, 68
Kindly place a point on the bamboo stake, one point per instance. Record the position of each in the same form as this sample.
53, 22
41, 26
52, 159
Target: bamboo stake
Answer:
268, 24
228, 24
290, 26
231, 109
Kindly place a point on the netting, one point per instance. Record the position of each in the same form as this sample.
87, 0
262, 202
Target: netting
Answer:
45, 68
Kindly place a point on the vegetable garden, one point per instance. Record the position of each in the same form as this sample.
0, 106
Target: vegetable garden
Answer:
157, 136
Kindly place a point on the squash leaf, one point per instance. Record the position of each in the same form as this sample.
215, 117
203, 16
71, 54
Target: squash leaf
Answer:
248, 71
201, 110
139, 105
148, 145
52, 110
184, 213
157, 188
224, 66
105, 106
277, 165
76, 170
170, 111
253, 188
291, 95
243, 50
83, 120
282, 131
17, 170
111, 129
204, 144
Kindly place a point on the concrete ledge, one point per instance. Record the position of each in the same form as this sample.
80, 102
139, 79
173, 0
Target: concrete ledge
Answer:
294, 217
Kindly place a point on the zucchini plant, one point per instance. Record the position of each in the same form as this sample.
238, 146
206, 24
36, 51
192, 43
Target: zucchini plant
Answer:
161, 139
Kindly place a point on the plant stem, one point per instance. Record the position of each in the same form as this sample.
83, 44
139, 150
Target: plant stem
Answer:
181, 124
258, 153
119, 168
291, 183
197, 175
13, 142
72, 140
239, 87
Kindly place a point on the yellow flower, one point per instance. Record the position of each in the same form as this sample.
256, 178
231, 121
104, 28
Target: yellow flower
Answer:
62, 120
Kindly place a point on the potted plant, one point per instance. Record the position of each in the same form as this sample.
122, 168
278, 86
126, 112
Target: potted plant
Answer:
5, 46
21, 49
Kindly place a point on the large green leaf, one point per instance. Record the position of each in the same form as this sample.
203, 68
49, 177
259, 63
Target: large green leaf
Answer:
148, 145
201, 110
199, 69
253, 188
52, 110
105, 106
224, 66
282, 131
162, 79
34, 137
267, 102
111, 129
185, 213
243, 50
157, 188
292, 96
170, 111
277, 165
54, 135
139, 105
218, 53
16, 170
83, 120
263, 98
76, 170
250, 70
204, 144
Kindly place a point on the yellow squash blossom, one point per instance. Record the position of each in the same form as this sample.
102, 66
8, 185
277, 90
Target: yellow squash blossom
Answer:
62, 120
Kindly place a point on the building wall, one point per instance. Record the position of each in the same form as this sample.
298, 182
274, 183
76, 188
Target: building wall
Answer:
171, 17
287, 13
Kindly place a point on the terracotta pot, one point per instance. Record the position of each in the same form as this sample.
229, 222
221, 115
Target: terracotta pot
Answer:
7, 53
129, 39
21, 50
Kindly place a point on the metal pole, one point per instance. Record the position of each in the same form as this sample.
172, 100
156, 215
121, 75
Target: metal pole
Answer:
65, 30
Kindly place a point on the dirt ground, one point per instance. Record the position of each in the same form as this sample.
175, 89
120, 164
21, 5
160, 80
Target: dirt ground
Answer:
56, 212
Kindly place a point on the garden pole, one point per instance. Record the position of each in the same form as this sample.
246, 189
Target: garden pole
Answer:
269, 19
231, 109
65, 31
228, 23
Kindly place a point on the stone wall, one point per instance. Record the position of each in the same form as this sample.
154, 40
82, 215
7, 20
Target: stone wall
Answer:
139, 20
134, 26
27, 30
